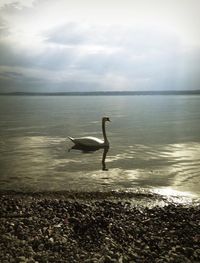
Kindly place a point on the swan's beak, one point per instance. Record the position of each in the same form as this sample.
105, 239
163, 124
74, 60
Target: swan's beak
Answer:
106, 119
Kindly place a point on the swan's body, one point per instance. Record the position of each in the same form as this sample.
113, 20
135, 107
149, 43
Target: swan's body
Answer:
90, 141
87, 141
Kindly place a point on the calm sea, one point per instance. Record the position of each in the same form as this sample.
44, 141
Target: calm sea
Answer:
154, 143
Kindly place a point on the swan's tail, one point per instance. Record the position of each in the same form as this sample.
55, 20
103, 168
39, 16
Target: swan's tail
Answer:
72, 139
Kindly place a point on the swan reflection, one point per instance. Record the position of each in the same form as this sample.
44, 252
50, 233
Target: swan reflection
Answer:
89, 149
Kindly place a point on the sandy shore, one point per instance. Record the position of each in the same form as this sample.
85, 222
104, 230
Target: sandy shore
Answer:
89, 228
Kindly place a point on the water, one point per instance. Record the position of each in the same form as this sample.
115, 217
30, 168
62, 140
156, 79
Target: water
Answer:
154, 143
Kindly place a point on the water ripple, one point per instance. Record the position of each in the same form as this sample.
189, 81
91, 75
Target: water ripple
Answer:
32, 160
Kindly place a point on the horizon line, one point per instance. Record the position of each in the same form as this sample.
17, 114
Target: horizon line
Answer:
87, 93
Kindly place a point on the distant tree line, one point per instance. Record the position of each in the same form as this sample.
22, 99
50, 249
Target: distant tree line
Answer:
104, 93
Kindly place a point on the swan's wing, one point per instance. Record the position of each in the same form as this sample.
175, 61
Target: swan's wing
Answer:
72, 139
87, 141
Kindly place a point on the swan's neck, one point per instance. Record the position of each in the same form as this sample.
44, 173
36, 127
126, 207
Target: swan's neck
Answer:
104, 133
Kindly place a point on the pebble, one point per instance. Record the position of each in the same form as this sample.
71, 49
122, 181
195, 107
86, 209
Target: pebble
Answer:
42, 229
21, 259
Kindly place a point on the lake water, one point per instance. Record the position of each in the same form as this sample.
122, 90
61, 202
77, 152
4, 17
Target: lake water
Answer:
154, 143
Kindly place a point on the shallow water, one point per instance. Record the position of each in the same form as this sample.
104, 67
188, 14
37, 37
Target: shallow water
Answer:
154, 143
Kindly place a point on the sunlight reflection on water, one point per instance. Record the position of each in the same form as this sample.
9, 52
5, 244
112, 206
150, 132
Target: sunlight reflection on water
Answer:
173, 196
154, 144
37, 159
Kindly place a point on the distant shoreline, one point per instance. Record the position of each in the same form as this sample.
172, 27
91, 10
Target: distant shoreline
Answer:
104, 93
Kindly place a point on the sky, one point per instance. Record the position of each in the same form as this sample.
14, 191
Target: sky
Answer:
93, 45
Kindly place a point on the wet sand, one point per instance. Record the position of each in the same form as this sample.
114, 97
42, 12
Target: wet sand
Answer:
94, 227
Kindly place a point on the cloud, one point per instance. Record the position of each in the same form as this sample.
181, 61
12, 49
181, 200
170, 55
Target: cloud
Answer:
10, 75
41, 49
3, 28
16, 3
68, 34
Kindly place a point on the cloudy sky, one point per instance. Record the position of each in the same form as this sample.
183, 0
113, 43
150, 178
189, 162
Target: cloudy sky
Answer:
65, 45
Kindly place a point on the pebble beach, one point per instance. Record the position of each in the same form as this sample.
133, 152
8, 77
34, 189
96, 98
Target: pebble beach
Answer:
73, 227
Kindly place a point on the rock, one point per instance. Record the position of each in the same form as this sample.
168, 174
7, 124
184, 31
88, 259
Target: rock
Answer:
108, 259
41, 247
197, 253
51, 240
21, 259
31, 260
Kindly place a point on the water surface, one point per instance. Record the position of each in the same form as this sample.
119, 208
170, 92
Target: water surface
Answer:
154, 143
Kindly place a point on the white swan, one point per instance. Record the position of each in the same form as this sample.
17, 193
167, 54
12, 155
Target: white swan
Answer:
93, 141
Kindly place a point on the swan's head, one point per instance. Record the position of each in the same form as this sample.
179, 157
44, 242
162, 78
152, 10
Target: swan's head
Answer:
104, 119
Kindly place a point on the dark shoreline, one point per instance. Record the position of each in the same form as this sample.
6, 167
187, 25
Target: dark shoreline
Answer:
93, 195
104, 93
59, 227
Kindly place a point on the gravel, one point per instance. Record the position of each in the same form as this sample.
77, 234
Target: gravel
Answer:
58, 228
